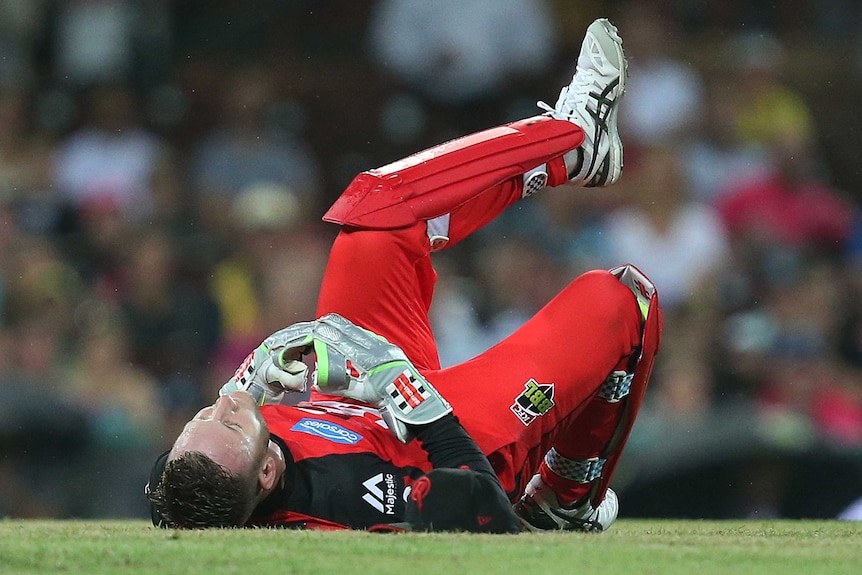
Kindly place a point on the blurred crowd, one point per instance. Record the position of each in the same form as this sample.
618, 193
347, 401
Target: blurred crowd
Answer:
164, 166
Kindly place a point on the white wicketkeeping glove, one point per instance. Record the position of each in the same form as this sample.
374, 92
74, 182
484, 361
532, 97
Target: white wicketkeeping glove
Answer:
268, 372
356, 363
350, 362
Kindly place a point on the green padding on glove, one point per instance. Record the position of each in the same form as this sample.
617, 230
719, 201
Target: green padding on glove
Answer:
351, 362
361, 365
273, 368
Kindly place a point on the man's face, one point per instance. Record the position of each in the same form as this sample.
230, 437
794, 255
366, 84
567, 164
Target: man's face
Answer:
231, 432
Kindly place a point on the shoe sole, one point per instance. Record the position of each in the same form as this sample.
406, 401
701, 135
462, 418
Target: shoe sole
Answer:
614, 161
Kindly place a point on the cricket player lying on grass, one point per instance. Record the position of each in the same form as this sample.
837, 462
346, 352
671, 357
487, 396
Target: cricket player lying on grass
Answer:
525, 436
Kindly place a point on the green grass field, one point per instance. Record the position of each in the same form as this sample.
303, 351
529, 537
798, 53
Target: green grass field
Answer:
633, 547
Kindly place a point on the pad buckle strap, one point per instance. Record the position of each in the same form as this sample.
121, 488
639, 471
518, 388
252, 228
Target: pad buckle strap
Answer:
616, 386
579, 470
438, 232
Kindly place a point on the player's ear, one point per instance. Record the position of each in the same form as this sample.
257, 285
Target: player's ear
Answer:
267, 476
269, 472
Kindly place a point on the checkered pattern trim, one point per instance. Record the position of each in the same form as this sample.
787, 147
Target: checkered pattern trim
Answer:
535, 180
580, 470
616, 386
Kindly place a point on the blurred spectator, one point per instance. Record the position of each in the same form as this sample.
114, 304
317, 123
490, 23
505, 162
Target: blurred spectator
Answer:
461, 51
25, 161
792, 206
716, 156
93, 41
515, 279
20, 24
270, 275
108, 41
246, 149
664, 94
40, 290
678, 241
122, 400
172, 202
769, 110
124, 412
566, 223
292, 277
262, 216
849, 344
685, 386
800, 375
466, 56
40, 293
572, 222
111, 157
96, 243
170, 321
454, 314
8, 230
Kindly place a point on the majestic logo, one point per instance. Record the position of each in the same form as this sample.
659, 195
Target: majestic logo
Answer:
327, 430
536, 400
381, 494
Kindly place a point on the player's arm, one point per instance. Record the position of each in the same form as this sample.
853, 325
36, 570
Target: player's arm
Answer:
462, 492
450, 446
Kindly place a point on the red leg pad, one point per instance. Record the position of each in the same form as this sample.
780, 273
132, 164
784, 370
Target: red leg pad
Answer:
436, 181
643, 369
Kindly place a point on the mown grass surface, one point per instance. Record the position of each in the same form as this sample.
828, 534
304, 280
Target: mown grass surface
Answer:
636, 547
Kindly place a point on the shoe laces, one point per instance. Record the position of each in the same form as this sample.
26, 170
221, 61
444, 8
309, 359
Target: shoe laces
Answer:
573, 97
546, 107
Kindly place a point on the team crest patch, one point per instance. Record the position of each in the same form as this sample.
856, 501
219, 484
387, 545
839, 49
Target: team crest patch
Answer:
327, 430
536, 400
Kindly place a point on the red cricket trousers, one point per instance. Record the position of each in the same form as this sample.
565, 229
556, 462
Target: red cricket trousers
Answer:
534, 390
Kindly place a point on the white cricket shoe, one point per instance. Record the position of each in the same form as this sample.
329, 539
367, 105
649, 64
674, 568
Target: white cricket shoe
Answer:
540, 510
591, 101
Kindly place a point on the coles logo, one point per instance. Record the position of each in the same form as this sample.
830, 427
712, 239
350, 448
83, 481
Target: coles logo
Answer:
327, 430
536, 400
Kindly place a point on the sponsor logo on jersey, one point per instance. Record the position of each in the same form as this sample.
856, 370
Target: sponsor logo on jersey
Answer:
536, 400
381, 492
327, 430
407, 391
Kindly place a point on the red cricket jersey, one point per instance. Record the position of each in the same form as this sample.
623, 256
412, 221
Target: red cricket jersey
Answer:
344, 467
